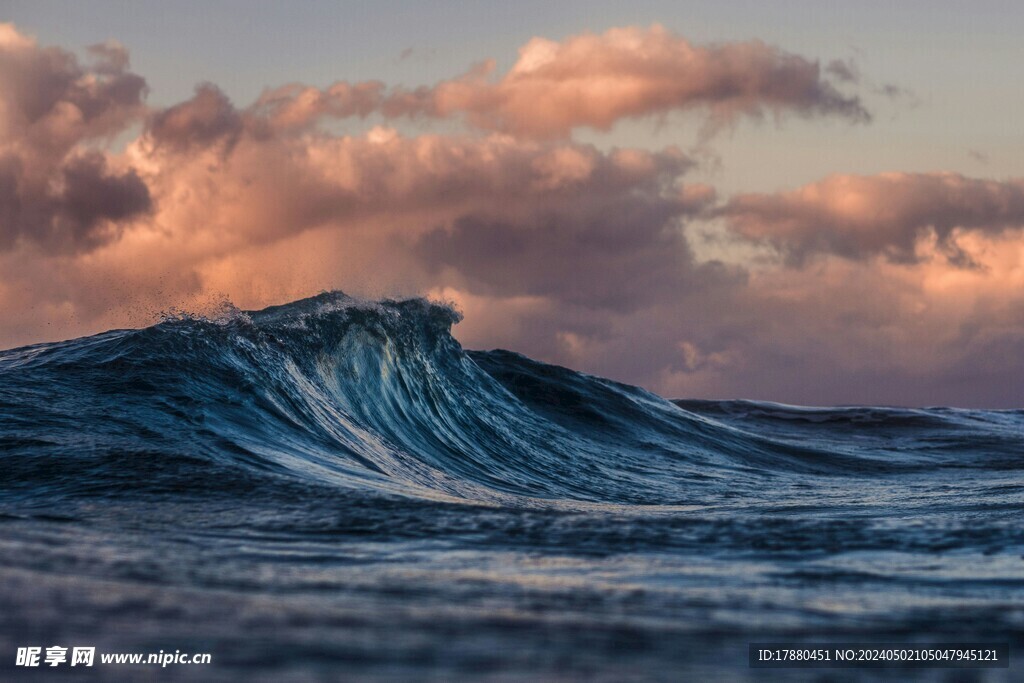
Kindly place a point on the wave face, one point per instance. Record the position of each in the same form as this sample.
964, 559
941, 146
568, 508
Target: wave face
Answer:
318, 486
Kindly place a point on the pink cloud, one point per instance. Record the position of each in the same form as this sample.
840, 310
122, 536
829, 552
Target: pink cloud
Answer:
888, 214
297, 106
593, 81
562, 250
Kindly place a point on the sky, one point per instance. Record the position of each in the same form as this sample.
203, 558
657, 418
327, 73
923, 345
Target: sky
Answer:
804, 202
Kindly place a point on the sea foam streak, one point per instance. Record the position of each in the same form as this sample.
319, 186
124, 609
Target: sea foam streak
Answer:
318, 456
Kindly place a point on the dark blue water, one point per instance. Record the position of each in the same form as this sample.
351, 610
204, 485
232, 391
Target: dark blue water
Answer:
335, 490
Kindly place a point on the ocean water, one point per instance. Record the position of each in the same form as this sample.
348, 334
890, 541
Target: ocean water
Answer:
334, 489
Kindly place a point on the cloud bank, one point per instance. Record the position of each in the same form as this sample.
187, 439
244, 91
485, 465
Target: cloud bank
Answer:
909, 286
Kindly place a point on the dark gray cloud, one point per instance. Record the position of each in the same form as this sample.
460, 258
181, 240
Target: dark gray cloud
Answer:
93, 197
86, 206
620, 249
845, 71
208, 118
110, 57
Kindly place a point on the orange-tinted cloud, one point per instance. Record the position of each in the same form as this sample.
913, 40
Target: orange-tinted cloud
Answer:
298, 106
887, 214
559, 249
268, 212
593, 81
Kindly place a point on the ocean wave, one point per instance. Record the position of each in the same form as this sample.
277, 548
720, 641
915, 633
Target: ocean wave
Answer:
379, 397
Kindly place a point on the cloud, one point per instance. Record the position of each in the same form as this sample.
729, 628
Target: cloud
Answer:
111, 57
270, 183
88, 209
852, 332
281, 216
57, 194
296, 106
847, 72
594, 81
51, 102
620, 246
865, 332
566, 251
843, 70
207, 118
887, 215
